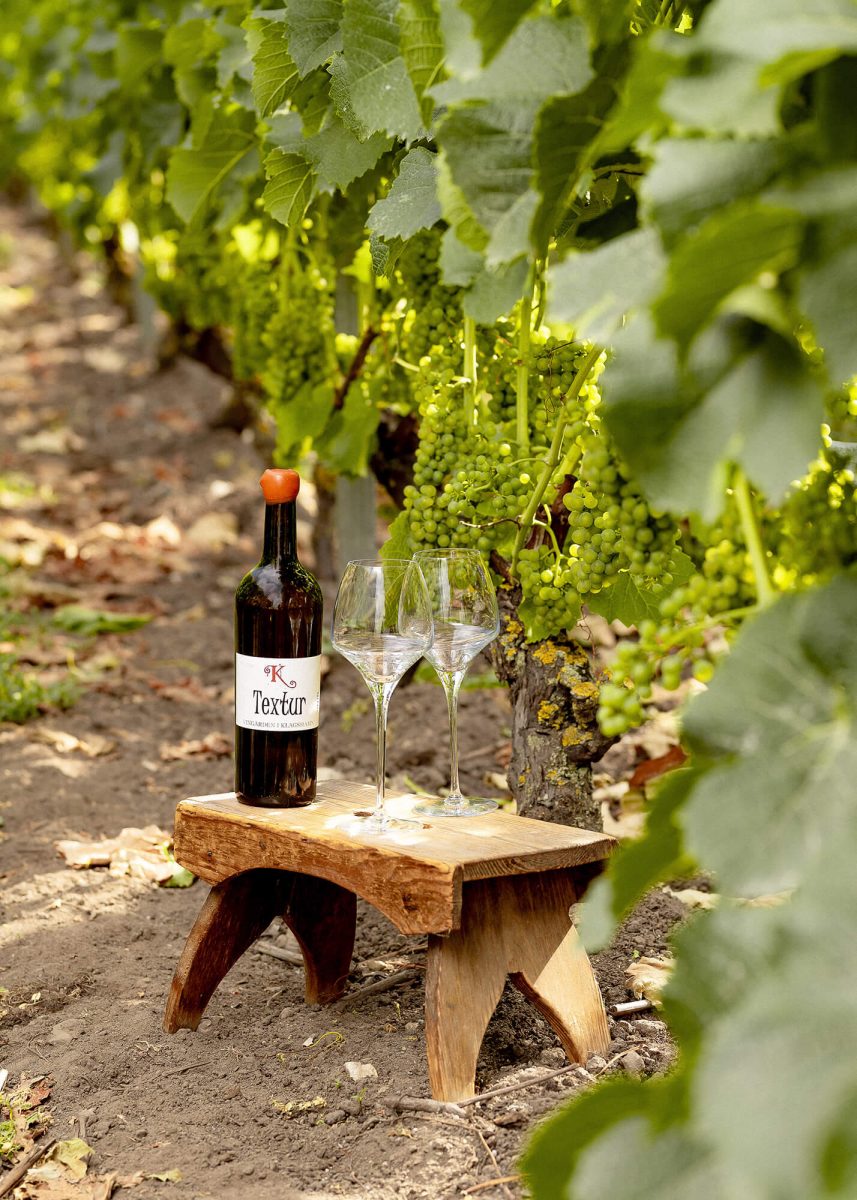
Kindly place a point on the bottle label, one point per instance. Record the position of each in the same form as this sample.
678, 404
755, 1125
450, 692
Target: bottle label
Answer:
277, 694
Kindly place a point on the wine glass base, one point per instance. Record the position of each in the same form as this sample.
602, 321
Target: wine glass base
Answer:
375, 824
460, 808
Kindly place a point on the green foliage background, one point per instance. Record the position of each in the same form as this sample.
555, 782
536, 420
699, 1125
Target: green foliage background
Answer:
686, 177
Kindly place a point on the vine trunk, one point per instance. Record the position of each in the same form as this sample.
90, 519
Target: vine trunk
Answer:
555, 736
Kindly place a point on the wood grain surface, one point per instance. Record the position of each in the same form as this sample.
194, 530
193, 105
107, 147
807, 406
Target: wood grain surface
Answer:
414, 876
518, 927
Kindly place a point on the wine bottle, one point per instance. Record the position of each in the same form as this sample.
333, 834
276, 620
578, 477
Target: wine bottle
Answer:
278, 623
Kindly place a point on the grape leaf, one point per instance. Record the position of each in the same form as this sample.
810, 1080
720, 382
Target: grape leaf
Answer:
459, 264
722, 95
338, 156
463, 52
692, 177
456, 211
594, 291
730, 248
275, 74
640, 863
493, 23
371, 87
422, 48
290, 186
827, 297
195, 172
313, 28
234, 58
566, 144
190, 43
350, 434
495, 291
138, 50
606, 22
780, 32
551, 1156
398, 543
543, 56
763, 413
488, 149
624, 601
303, 415
786, 704
411, 204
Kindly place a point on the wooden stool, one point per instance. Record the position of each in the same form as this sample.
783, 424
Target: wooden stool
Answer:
492, 892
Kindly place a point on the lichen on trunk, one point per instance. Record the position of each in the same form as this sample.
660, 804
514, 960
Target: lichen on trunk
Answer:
555, 736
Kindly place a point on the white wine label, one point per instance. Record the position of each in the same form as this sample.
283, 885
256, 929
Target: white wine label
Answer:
280, 694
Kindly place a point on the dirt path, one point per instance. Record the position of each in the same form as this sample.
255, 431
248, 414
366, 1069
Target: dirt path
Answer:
141, 505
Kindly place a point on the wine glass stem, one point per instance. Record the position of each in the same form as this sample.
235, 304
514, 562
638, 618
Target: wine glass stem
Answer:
451, 681
381, 694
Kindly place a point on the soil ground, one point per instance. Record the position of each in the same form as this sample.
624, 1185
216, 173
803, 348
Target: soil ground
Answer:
111, 444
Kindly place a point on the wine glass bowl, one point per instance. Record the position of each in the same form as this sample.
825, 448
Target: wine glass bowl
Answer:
466, 619
382, 624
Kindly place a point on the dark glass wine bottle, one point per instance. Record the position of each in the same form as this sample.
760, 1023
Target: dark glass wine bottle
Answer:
278, 622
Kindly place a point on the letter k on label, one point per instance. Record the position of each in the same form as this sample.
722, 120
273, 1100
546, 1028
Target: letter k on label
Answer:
278, 677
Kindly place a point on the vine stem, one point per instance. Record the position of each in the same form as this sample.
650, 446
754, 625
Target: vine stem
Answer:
522, 388
750, 528
552, 459
470, 370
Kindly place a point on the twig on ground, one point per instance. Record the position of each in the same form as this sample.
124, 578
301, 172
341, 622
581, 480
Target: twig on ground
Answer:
383, 985
629, 1006
419, 1104
517, 1087
290, 956
191, 1067
437, 1119
15, 1176
488, 1183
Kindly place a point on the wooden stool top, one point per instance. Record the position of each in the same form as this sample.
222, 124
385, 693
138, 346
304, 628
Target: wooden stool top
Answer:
414, 876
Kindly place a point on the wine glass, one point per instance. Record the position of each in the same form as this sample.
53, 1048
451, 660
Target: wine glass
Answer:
466, 619
382, 624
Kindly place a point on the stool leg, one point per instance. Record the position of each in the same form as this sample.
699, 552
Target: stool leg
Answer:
465, 974
323, 918
233, 916
548, 962
517, 926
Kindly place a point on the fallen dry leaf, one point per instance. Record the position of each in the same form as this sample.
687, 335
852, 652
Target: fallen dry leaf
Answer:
141, 853
623, 810
164, 529
214, 531
93, 746
654, 767
185, 691
694, 898
648, 977
51, 441
71, 768
213, 745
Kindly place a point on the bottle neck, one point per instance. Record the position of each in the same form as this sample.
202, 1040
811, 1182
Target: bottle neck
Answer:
280, 532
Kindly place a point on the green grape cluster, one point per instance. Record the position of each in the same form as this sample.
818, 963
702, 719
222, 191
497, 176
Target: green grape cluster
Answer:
825, 501
687, 638
433, 312
298, 340
254, 303
664, 652
548, 588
